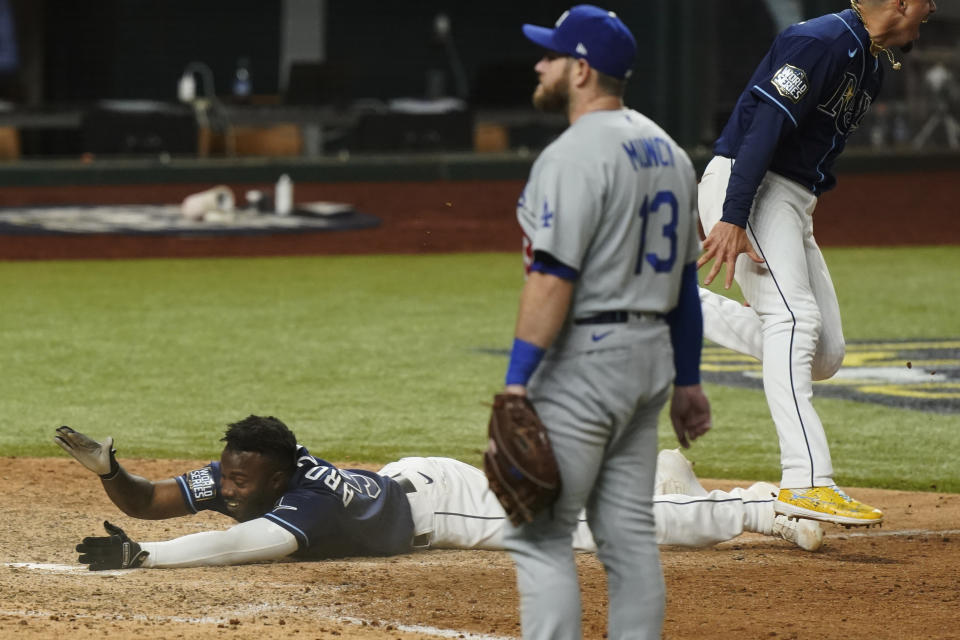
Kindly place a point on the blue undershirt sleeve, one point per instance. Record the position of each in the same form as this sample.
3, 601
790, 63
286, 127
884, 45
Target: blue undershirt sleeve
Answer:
753, 159
686, 329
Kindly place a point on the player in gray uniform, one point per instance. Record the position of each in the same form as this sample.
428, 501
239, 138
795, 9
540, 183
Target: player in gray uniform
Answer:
609, 319
413, 503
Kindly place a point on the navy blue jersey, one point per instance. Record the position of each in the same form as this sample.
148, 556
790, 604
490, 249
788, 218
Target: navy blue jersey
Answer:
820, 75
332, 512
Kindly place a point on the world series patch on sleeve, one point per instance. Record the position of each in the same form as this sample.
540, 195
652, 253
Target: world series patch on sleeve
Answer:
202, 485
790, 82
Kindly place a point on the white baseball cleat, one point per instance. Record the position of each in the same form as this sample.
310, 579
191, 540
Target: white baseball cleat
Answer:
806, 534
675, 475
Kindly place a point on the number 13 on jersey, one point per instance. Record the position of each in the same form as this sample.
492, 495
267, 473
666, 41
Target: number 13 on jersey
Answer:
664, 204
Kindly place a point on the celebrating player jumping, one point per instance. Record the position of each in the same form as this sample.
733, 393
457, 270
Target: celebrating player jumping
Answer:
773, 160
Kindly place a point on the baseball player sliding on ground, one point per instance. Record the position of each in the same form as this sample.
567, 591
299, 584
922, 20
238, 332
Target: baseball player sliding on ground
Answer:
290, 503
756, 199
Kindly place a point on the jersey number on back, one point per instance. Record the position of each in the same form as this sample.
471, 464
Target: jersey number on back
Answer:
663, 203
342, 481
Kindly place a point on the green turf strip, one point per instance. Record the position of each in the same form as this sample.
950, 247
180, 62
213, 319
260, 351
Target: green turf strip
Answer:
372, 358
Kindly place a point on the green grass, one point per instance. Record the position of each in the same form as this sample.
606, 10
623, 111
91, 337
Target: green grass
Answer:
890, 293
367, 358
372, 358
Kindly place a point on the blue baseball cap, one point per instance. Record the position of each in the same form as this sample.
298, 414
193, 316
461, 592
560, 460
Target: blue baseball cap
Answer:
593, 34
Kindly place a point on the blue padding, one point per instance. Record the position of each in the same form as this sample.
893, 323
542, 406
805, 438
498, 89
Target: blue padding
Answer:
524, 359
686, 329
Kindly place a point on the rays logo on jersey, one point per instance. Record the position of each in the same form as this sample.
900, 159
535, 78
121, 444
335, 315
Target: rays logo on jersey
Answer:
202, 485
848, 105
790, 82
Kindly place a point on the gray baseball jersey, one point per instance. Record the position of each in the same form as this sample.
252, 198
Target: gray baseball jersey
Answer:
573, 208
614, 199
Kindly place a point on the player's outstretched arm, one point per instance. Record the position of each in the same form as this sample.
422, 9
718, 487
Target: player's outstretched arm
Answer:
723, 245
135, 496
258, 540
114, 551
98, 457
690, 413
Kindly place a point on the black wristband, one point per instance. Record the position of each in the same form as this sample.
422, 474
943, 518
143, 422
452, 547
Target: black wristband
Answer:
114, 467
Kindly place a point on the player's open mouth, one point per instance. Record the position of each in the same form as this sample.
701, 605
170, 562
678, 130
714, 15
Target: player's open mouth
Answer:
233, 505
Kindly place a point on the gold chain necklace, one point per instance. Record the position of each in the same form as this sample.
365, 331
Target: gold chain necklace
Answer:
875, 48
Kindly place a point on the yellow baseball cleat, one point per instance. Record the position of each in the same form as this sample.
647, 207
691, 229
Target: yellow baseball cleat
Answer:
827, 504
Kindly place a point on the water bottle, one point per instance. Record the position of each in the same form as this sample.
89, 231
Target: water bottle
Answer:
187, 88
283, 196
242, 86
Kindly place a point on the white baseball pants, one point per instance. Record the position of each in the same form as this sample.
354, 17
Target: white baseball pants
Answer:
793, 323
454, 505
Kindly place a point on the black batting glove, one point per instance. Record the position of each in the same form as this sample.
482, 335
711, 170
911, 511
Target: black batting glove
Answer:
117, 551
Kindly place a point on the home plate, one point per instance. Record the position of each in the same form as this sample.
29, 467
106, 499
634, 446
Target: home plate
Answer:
62, 568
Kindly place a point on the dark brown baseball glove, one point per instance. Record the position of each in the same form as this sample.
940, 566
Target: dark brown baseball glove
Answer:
519, 461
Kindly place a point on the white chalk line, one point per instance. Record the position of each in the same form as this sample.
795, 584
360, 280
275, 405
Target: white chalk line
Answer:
64, 568
77, 569
843, 535
870, 533
433, 631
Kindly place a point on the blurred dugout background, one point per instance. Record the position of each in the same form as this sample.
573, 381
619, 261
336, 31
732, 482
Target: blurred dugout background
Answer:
212, 78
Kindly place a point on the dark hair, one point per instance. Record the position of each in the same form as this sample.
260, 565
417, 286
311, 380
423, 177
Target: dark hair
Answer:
264, 435
610, 85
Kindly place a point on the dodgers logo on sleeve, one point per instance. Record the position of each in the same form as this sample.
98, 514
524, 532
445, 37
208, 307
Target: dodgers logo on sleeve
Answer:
546, 218
202, 485
790, 82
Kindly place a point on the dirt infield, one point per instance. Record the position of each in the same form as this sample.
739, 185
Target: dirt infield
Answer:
901, 581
